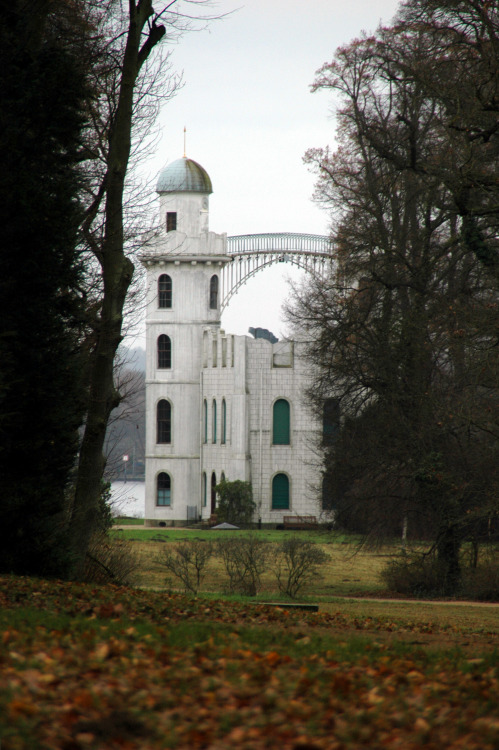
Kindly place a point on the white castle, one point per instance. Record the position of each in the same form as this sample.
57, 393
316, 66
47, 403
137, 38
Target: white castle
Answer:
218, 406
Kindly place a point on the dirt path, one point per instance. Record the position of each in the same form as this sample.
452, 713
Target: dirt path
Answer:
396, 600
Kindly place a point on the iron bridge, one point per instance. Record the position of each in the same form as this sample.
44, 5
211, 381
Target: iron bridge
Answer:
250, 253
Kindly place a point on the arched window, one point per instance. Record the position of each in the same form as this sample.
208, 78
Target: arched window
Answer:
330, 420
280, 492
214, 422
214, 292
163, 489
213, 492
164, 352
205, 421
164, 290
224, 422
164, 422
204, 489
222, 476
280, 423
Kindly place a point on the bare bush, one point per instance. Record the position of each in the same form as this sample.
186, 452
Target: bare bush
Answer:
187, 562
109, 560
245, 559
297, 563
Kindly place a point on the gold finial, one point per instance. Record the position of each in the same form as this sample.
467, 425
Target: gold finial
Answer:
185, 130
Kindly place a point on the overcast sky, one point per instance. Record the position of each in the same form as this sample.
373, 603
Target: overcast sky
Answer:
250, 117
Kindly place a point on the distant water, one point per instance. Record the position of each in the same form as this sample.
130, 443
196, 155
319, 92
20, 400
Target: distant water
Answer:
128, 498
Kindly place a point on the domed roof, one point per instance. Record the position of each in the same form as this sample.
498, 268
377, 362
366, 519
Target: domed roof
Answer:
184, 176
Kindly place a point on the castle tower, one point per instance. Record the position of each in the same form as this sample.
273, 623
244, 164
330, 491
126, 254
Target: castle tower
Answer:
183, 263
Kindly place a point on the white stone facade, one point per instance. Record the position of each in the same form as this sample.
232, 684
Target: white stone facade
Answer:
218, 391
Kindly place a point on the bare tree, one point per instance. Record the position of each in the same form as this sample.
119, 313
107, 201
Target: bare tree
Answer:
404, 336
121, 42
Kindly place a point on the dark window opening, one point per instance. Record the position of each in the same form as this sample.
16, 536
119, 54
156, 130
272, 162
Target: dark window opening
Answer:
164, 352
214, 292
171, 221
165, 290
213, 493
224, 422
164, 422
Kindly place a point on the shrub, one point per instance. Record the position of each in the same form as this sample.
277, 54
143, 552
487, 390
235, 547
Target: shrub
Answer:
415, 575
482, 583
244, 559
297, 562
235, 503
187, 562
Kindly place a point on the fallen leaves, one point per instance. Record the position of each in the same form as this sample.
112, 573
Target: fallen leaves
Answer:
117, 668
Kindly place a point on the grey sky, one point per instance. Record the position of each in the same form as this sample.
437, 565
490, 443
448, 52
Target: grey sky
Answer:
250, 117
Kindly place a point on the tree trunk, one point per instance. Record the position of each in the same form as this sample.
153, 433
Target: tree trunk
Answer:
117, 272
448, 549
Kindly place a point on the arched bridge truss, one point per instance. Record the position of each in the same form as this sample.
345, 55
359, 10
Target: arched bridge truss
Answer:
250, 253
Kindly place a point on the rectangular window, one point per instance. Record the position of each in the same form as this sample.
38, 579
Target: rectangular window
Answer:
283, 354
171, 221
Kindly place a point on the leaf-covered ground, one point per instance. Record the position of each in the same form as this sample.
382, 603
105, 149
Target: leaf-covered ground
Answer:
104, 668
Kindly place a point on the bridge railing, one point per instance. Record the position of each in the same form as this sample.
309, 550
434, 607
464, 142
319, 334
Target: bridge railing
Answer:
275, 243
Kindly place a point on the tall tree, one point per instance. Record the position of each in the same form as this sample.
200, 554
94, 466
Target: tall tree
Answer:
42, 89
404, 336
123, 109
459, 72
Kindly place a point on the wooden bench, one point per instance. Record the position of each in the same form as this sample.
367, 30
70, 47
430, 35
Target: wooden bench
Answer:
300, 522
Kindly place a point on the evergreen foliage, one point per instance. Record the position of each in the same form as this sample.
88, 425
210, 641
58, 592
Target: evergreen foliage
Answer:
235, 503
41, 91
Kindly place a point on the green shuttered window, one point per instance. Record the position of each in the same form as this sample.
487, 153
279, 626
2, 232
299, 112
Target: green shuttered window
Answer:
280, 425
280, 492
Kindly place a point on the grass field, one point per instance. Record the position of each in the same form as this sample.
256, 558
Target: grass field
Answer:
349, 571
105, 667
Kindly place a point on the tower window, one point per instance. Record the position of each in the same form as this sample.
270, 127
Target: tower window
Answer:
164, 352
224, 422
280, 492
164, 422
163, 491
280, 426
164, 290
214, 292
205, 421
204, 489
171, 221
213, 492
214, 422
